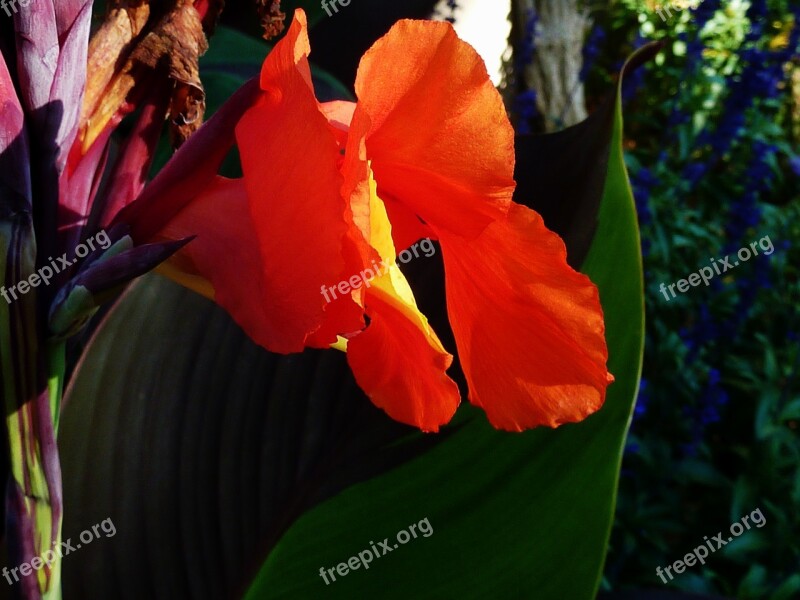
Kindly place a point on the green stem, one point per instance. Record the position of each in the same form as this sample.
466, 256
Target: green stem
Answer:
56, 368
31, 375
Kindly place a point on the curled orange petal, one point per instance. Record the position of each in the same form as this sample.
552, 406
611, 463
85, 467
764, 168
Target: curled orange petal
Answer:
529, 329
401, 365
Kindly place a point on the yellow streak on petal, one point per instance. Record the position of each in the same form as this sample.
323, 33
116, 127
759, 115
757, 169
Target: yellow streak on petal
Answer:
340, 344
392, 286
380, 234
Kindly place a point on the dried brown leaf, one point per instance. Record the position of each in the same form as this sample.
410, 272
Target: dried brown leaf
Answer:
128, 52
111, 44
272, 19
177, 44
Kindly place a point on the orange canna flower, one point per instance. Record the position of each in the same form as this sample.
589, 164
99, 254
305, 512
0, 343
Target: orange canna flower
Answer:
332, 191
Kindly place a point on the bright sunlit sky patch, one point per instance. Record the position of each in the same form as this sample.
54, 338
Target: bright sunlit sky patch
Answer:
485, 25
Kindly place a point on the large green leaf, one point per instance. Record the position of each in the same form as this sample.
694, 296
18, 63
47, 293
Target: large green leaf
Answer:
224, 467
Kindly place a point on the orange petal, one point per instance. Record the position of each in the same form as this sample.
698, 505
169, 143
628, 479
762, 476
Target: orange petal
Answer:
225, 253
400, 363
339, 114
290, 161
529, 329
344, 312
223, 264
406, 226
289, 58
436, 130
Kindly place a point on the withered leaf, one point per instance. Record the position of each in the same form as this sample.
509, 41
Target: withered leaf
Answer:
123, 23
141, 41
176, 43
272, 19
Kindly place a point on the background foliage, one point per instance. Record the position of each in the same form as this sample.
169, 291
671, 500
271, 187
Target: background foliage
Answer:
712, 147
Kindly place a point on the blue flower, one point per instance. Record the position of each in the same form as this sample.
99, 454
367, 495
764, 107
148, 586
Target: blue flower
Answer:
694, 172
745, 212
760, 78
643, 181
642, 400
528, 46
707, 411
703, 331
525, 106
794, 162
592, 49
525, 102
634, 80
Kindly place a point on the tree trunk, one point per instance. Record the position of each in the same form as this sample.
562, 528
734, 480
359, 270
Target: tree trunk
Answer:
555, 71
